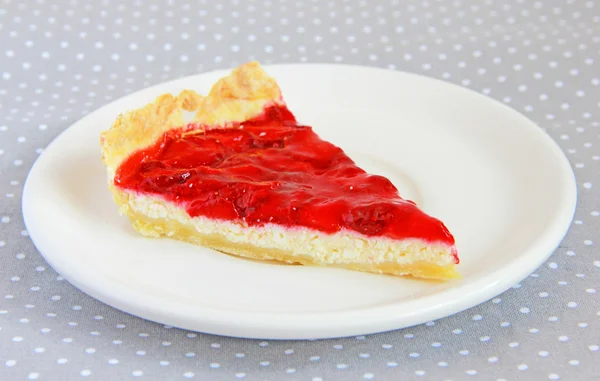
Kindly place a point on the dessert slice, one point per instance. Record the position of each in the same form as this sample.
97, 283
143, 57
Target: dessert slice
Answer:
245, 178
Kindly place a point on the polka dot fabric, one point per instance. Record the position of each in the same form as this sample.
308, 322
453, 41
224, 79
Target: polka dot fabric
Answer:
61, 60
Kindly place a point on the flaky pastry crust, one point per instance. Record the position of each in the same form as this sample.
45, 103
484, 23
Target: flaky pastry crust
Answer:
236, 98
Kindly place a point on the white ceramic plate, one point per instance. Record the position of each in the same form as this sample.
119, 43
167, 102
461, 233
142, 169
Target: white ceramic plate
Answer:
501, 185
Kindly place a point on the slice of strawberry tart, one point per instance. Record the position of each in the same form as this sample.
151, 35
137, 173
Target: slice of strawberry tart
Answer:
245, 178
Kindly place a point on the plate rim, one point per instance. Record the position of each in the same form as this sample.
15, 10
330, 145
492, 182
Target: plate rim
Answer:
259, 325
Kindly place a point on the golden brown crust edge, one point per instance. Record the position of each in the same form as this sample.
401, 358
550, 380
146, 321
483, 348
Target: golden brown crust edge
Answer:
237, 97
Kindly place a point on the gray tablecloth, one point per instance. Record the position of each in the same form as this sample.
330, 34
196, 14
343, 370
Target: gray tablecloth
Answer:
59, 60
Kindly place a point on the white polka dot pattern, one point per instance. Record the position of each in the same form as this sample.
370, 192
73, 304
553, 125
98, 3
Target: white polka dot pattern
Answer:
60, 60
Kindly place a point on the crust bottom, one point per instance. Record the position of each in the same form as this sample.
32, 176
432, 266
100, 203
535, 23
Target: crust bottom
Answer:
174, 229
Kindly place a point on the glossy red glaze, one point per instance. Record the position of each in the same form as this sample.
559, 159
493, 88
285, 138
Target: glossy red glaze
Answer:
272, 169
